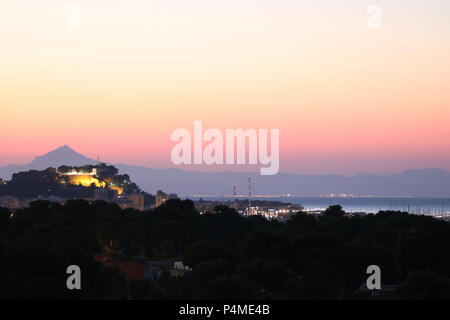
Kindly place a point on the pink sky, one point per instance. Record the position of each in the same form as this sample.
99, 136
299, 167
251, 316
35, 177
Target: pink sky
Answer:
345, 98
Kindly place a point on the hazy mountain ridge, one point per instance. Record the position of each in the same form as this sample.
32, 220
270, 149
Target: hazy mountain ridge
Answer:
413, 182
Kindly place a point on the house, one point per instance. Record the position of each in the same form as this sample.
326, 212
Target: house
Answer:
139, 269
133, 269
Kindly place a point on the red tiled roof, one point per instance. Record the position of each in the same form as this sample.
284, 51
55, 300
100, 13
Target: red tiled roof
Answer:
103, 257
132, 269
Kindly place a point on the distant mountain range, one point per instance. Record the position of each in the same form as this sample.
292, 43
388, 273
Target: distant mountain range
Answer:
416, 183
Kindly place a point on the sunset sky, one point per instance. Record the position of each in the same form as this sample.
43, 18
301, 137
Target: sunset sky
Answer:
346, 99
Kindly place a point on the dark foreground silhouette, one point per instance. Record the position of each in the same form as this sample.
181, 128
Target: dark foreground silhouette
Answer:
232, 257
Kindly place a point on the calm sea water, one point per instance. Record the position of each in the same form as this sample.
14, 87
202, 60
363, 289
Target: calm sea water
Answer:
373, 205
370, 204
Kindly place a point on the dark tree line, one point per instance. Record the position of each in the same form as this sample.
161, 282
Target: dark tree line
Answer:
235, 257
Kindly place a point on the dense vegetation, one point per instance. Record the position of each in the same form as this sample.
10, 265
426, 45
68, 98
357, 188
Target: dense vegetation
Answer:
105, 173
232, 256
34, 183
49, 182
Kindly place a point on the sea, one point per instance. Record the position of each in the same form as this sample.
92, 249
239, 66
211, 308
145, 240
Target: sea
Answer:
429, 206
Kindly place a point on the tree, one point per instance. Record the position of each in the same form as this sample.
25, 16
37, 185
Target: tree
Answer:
424, 285
4, 216
207, 251
334, 211
223, 209
302, 222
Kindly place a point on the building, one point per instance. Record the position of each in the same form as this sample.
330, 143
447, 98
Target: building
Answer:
74, 172
87, 179
132, 201
138, 269
160, 198
105, 194
174, 267
132, 269
137, 201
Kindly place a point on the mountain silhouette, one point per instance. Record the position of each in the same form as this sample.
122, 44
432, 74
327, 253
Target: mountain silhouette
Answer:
430, 182
62, 155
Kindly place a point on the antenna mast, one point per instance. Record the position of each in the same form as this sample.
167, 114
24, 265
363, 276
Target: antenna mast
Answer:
234, 195
249, 192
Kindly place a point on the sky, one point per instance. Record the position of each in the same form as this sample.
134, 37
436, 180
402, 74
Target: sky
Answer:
345, 97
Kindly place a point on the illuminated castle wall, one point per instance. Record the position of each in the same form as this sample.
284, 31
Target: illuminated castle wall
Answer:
86, 179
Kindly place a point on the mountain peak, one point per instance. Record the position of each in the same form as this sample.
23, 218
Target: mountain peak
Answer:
63, 155
64, 148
